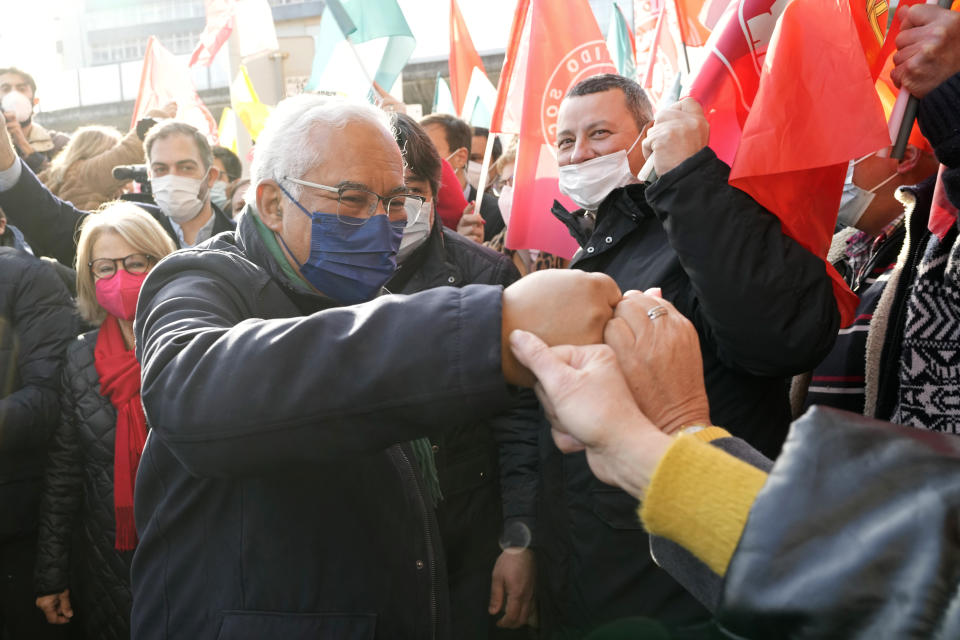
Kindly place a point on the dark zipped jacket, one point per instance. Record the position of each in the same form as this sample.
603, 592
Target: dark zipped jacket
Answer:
37, 322
52, 225
273, 499
764, 309
75, 545
487, 468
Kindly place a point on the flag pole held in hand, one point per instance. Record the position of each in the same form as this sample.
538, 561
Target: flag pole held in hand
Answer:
910, 111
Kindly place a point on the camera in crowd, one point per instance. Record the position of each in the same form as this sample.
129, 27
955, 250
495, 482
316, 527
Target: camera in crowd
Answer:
137, 173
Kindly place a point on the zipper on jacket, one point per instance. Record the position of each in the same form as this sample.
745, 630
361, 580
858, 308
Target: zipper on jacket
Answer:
409, 470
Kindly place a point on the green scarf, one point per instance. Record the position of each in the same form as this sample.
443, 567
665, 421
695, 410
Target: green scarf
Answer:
422, 449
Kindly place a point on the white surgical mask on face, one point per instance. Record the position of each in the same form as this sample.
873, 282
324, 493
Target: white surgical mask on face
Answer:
415, 233
588, 183
218, 194
473, 173
178, 196
506, 203
855, 200
19, 104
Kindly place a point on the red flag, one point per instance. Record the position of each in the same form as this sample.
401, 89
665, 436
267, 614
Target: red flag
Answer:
463, 57
692, 32
165, 79
220, 20
943, 215
569, 48
791, 100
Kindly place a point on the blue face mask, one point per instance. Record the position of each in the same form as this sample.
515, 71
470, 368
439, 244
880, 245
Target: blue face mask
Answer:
349, 263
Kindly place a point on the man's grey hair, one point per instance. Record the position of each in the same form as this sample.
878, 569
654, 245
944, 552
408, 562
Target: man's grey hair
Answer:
637, 100
287, 146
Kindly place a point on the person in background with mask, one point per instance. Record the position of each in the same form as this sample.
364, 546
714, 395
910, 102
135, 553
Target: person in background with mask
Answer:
486, 525
453, 139
181, 170
87, 533
478, 146
34, 144
763, 307
228, 164
873, 226
525, 260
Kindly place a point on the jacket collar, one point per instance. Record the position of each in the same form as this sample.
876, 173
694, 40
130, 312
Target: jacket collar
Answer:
619, 214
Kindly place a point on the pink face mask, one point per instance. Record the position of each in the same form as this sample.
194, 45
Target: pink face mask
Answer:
118, 295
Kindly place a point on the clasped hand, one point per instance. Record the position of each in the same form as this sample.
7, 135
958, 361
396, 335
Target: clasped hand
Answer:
621, 399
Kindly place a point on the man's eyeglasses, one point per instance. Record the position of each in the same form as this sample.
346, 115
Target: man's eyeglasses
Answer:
355, 205
106, 268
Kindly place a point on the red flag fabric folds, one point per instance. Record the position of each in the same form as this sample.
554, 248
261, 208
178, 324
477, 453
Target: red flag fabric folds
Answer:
463, 57
220, 16
790, 102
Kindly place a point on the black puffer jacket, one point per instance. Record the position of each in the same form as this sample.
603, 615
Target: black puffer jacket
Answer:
477, 511
78, 499
273, 499
37, 322
763, 308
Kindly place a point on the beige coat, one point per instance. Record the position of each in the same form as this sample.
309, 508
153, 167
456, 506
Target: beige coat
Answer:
89, 183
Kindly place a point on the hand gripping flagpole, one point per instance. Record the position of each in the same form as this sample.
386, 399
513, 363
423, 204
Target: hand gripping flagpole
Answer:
910, 110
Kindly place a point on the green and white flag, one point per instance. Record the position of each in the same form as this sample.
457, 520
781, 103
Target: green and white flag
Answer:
620, 44
360, 42
442, 98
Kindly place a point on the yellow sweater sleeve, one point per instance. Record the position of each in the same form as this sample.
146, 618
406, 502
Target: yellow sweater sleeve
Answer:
700, 497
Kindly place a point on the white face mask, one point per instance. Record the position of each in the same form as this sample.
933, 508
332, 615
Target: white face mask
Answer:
473, 173
855, 200
506, 203
178, 196
588, 183
19, 104
416, 232
218, 195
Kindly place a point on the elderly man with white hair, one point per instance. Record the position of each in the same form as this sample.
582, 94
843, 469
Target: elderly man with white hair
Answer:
284, 490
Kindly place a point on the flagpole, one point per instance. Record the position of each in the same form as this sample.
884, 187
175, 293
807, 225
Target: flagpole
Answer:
648, 74
910, 112
485, 167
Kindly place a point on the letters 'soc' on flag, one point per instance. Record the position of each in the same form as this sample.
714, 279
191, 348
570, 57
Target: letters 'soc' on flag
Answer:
569, 48
790, 98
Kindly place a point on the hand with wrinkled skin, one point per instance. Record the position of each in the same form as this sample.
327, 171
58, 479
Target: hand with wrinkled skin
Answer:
561, 306
512, 587
677, 132
661, 361
928, 49
585, 396
56, 607
471, 224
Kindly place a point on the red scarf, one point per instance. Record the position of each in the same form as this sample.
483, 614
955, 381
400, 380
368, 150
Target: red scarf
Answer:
120, 382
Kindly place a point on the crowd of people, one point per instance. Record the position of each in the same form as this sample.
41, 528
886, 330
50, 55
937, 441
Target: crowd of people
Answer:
321, 398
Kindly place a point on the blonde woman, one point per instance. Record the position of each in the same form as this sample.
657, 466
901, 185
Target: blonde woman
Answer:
83, 172
96, 448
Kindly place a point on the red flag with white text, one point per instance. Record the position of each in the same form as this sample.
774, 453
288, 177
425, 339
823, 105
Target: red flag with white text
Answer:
568, 48
790, 98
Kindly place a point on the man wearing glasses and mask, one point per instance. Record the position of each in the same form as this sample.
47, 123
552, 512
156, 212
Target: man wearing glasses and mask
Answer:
762, 305
280, 493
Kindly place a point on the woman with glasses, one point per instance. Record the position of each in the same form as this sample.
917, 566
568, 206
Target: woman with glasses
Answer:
87, 533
